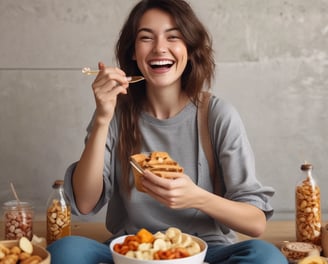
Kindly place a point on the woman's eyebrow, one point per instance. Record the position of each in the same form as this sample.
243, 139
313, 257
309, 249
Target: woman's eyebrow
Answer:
151, 31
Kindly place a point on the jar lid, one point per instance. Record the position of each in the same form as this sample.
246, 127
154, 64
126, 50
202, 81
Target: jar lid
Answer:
57, 184
306, 166
15, 205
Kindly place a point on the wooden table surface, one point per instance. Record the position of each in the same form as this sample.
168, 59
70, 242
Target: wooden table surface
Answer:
277, 231
92, 230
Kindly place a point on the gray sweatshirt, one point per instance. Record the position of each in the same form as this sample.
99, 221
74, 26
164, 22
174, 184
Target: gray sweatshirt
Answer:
179, 137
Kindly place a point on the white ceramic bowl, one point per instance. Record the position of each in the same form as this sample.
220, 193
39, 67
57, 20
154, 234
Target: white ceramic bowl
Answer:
195, 259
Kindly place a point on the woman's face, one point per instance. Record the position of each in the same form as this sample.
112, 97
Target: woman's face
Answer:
160, 51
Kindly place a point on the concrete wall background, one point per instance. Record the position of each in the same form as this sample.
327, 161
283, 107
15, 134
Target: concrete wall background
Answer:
272, 62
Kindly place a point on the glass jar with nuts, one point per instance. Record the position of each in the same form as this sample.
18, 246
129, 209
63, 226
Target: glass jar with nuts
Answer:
308, 208
18, 220
58, 213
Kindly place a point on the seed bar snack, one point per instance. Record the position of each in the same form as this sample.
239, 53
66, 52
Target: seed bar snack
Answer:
158, 162
295, 251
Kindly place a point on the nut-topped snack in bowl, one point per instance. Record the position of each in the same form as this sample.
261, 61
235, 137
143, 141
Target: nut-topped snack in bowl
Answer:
158, 162
169, 247
23, 251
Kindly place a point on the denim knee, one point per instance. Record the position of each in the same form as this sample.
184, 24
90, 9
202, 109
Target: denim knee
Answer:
249, 251
76, 249
266, 252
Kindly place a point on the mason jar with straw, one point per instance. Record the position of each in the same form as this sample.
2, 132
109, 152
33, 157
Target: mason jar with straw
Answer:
18, 218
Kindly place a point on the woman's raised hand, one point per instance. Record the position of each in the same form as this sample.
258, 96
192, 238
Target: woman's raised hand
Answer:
109, 83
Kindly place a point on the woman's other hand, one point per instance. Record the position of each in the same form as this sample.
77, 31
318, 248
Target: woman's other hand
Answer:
177, 193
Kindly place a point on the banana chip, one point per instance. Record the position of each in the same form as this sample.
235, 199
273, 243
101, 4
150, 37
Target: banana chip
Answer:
193, 248
160, 244
186, 240
175, 235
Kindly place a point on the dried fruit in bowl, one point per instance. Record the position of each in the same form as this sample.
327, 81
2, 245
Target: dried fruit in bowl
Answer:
145, 236
172, 244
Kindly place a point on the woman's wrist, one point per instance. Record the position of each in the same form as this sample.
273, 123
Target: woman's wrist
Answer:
203, 197
101, 121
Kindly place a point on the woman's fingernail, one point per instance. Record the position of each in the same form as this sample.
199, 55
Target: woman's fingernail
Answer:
101, 65
129, 78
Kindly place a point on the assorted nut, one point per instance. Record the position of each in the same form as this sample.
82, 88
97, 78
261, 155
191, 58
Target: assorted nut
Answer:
18, 221
58, 221
308, 212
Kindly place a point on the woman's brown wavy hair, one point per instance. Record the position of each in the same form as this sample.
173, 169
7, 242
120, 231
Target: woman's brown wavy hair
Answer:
198, 74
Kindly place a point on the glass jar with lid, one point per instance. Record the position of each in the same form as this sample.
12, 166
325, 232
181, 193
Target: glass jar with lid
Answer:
58, 213
18, 220
308, 207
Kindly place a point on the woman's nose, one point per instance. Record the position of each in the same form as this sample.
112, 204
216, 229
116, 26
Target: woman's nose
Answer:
160, 46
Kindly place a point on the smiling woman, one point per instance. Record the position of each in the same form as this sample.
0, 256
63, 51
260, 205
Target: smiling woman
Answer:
173, 51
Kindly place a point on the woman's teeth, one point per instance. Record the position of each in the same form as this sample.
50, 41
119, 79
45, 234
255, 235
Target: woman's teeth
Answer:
164, 63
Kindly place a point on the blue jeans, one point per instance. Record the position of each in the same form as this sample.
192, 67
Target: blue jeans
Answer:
81, 250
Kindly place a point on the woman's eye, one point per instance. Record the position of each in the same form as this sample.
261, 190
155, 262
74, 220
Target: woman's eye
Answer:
173, 37
145, 38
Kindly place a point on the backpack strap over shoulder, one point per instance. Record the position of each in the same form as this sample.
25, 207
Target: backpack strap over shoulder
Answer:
203, 129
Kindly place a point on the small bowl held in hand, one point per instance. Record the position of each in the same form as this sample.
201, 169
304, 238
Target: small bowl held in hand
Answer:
158, 162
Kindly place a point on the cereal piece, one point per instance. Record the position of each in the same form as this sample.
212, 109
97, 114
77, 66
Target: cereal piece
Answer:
32, 260
24, 255
10, 259
4, 249
15, 250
